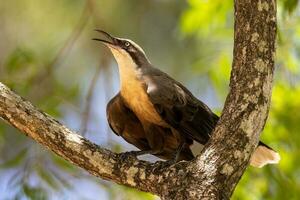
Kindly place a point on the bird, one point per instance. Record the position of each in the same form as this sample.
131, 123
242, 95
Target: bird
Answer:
156, 113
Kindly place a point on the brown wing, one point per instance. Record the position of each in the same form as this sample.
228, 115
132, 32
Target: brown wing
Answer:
124, 123
178, 107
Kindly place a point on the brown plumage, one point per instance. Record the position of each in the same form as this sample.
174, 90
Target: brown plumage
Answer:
124, 123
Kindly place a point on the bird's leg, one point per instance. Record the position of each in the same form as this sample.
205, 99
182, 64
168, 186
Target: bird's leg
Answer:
175, 158
141, 152
133, 153
182, 143
155, 139
179, 149
124, 155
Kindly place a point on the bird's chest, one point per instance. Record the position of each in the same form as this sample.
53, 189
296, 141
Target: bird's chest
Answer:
135, 95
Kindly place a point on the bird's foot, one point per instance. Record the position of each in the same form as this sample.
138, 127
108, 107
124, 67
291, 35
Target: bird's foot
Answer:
127, 154
167, 163
177, 153
135, 154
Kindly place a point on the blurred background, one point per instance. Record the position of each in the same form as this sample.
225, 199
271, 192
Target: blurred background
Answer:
48, 57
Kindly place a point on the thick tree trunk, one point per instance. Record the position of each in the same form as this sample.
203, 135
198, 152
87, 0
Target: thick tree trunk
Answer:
216, 171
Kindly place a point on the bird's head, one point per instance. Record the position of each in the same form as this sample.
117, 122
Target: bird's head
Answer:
124, 50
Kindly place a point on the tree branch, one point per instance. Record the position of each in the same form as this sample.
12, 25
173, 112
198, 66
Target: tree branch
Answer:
216, 171
71, 146
246, 108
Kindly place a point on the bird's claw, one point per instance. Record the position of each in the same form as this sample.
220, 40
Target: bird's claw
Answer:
167, 163
125, 155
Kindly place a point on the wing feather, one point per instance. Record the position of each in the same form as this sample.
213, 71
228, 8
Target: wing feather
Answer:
178, 107
124, 123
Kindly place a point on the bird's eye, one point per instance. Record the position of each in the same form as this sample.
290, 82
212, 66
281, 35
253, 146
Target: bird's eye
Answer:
127, 44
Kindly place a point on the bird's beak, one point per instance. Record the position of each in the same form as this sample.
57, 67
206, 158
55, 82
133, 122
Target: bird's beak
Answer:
108, 40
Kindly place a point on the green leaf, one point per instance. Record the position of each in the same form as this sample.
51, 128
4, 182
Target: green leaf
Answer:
207, 16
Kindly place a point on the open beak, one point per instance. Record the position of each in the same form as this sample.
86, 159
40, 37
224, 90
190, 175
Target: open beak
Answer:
108, 39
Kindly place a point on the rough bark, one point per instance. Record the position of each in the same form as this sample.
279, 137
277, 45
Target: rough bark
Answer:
216, 171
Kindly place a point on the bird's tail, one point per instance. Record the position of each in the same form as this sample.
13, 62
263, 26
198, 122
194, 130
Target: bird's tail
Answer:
264, 155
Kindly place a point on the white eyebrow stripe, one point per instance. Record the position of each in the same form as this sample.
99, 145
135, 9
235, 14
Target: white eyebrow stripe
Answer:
134, 44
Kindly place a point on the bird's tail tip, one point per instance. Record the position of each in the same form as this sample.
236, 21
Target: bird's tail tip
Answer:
264, 155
